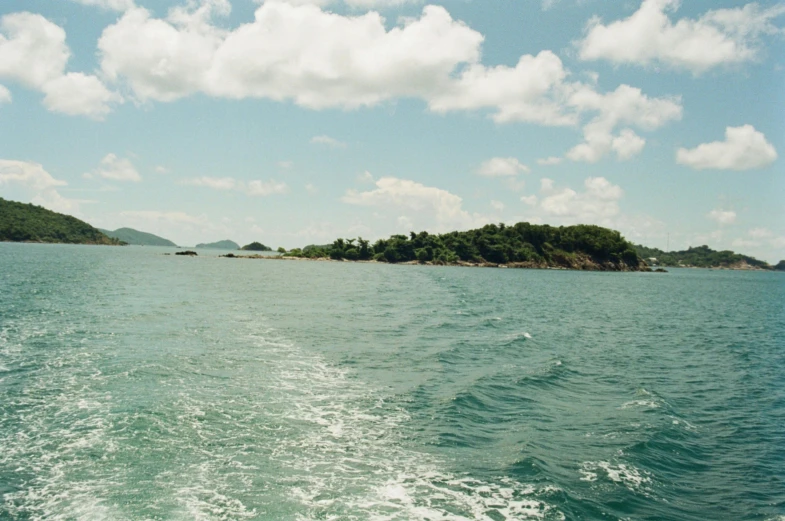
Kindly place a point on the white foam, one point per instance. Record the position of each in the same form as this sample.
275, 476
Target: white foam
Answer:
620, 473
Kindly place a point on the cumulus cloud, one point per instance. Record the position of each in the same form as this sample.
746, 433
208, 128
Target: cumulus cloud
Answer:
436, 209
722, 216
722, 36
39, 182
744, 148
115, 169
327, 141
79, 94
5, 95
254, 188
532, 91
624, 106
598, 203
33, 53
502, 167
114, 5
549, 161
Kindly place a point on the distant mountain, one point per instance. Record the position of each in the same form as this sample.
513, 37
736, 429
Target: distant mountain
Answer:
256, 246
138, 238
220, 245
21, 222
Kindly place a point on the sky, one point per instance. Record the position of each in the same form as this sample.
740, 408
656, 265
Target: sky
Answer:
294, 122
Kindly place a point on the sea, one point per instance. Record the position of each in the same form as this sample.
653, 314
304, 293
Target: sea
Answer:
136, 385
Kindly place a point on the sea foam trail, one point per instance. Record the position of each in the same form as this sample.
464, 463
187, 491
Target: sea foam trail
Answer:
273, 431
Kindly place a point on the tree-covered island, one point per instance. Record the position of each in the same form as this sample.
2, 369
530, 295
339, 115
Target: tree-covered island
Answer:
523, 245
701, 257
21, 222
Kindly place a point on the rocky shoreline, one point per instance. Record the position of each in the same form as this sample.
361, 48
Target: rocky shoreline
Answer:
578, 264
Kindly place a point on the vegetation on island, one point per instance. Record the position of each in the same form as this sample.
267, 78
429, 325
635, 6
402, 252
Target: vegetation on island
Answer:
219, 245
256, 246
521, 245
21, 222
699, 257
137, 238
780, 266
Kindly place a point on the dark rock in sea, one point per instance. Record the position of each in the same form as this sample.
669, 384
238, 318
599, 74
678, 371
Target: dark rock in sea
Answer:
190, 253
229, 256
660, 270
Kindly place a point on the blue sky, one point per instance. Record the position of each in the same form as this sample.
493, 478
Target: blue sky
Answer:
298, 121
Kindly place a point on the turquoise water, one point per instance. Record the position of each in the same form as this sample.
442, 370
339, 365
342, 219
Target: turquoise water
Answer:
138, 386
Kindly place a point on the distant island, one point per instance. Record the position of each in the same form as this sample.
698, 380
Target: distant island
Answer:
703, 257
256, 246
137, 238
523, 245
220, 245
21, 222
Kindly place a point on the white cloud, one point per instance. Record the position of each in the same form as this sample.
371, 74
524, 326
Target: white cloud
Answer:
287, 165
39, 182
722, 216
760, 233
28, 174
258, 188
33, 52
327, 141
436, 209
627, 144
502, 167
744, 148
32, 49
160, 169
114, 5
311, 189
531, 91
297, 51
5, 95
254, 188
116, 169
549, 161
497, 205
530, 200
216, 183
365, 177
166, 217
723, 36
598, 204
624, 106
78, 94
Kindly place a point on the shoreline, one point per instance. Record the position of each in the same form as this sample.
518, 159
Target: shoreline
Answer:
512, 265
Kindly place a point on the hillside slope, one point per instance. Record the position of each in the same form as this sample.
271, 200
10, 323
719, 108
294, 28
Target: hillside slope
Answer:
137, 238
21, 222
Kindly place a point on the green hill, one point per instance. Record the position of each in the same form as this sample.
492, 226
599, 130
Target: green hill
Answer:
524, 245
699, 257
220, 245
256, 246
138, 238
21, 222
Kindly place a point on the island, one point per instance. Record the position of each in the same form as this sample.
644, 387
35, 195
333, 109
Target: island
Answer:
256, 246
137, 238
220, 245
702, 257
20, 222
523, 245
